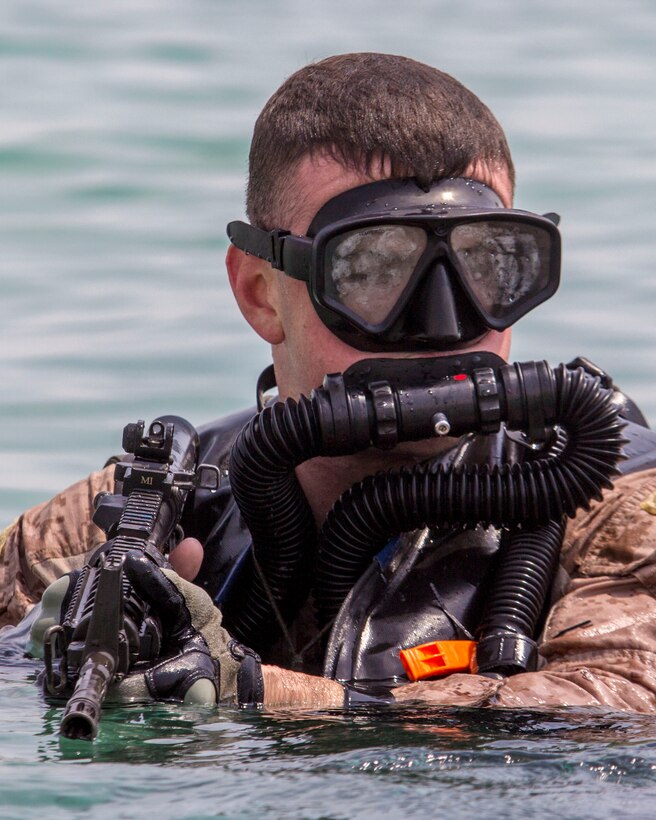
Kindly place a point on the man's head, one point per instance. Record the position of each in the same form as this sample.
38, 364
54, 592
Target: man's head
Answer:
337, 125
377, 114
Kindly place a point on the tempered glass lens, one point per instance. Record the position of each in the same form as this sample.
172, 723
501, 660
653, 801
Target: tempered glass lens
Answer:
504, 263
367, 269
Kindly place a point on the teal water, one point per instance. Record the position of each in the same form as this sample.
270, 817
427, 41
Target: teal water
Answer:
171, 762
125, 130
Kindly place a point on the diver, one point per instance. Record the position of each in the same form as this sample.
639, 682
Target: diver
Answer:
384, 263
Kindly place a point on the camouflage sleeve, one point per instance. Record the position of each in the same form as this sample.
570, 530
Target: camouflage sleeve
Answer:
46, 542
598, 646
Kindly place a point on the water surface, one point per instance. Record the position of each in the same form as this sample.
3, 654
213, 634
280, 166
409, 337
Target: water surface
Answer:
169, 761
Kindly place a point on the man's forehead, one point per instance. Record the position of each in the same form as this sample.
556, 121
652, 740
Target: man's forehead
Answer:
496, 177
319, 178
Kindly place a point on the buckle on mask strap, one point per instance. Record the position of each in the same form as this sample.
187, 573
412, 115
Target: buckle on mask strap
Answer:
267, 245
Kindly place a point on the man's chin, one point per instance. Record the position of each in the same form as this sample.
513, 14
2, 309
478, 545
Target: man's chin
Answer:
468, 347
490, 342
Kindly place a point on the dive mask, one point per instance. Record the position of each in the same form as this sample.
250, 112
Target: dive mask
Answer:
392, 267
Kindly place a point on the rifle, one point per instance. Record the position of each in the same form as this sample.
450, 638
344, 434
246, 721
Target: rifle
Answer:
108, 630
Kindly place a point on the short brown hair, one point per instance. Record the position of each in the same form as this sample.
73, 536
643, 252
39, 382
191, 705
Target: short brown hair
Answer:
365, 109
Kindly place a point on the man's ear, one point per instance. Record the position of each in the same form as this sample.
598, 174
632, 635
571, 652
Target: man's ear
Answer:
256, 288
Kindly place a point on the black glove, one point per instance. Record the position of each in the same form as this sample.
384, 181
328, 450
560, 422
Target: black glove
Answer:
199, 662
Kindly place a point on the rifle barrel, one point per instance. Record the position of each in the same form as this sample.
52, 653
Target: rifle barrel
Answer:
82, 713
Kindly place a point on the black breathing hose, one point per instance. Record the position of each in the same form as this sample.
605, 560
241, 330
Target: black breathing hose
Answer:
505, 635
278, 517
516, 606
348, 414
529, 494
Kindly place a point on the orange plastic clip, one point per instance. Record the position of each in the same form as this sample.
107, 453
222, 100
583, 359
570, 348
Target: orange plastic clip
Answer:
432, 660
